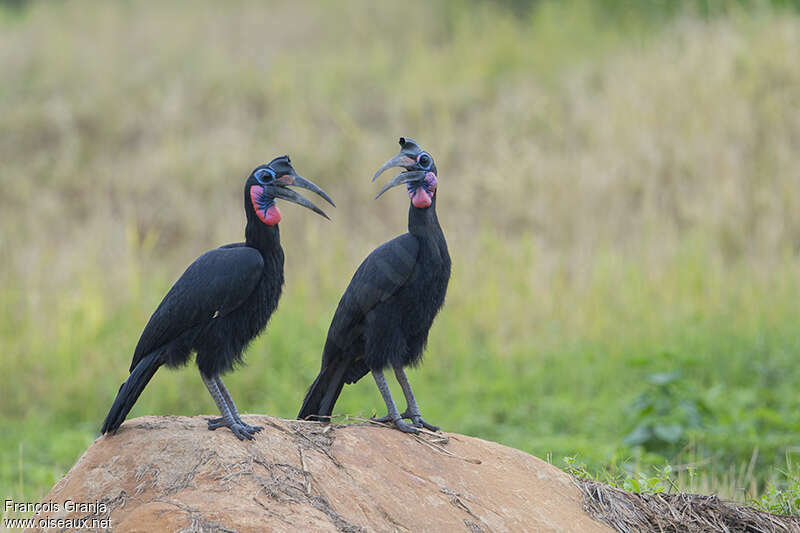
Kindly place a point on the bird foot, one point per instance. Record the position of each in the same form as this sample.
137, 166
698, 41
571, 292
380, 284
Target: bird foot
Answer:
420, 423
405, 428
250, 429
239, 428
399, 424
416, 421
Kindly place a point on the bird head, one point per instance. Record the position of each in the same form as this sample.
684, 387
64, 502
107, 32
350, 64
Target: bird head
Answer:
271, 181
420, 176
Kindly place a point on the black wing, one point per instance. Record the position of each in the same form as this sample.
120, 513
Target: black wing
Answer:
217, 282
382, 273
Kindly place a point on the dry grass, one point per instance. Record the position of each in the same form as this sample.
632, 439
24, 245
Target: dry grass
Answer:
677, 513
129, 126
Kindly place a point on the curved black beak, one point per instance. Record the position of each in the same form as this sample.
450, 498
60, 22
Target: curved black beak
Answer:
405, 177
400, 160
281, 190
300, 181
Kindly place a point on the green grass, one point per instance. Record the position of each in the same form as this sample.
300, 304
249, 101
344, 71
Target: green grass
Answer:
619, 192
556, 382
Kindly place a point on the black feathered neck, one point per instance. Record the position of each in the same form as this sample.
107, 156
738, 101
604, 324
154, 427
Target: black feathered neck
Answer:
423, 222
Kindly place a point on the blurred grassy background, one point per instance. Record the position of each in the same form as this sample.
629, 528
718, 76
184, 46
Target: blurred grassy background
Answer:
619, 186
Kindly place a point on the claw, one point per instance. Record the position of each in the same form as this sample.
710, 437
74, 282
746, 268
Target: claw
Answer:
240, 432
402, 426
419, 422
405, 428
215, 423
416, 422
240, 429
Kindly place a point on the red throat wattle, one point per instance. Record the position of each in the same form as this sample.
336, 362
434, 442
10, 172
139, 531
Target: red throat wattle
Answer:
265, 208
422, 193
421, 198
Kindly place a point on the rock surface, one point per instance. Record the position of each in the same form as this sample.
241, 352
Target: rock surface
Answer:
172, 474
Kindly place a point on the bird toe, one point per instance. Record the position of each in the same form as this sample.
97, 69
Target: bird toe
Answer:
240, 429
406, 428
241, 432
420, 423
215, 423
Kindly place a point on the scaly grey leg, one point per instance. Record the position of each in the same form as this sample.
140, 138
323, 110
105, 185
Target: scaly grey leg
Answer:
394, 414
412, 410
214, 423
227, 416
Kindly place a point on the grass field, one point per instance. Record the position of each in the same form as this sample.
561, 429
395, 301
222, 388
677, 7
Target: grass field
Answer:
621, 196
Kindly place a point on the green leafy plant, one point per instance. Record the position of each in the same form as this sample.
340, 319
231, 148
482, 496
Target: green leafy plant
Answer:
782, 497
658, 481
641, 483
664, 413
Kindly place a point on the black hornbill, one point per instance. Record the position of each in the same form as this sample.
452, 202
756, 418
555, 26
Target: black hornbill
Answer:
386, 312
222, 301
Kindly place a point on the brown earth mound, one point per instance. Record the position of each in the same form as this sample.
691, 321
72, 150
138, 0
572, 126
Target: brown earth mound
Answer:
172, 474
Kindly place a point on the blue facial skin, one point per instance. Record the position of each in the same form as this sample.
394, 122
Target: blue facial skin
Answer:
429, 183
261, 175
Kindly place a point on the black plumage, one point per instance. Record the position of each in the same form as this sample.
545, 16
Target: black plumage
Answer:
385, 314
221, 302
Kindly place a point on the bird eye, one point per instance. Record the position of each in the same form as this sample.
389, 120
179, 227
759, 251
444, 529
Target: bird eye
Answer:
264, 174
425, 161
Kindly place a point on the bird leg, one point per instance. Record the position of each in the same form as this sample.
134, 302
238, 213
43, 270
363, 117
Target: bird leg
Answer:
394, 414
214, 423
230, 422
412, 410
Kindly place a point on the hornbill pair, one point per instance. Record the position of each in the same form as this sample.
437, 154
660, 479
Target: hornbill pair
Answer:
226, 297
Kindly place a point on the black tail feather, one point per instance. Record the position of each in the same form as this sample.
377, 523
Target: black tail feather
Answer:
324, 392
130, 390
